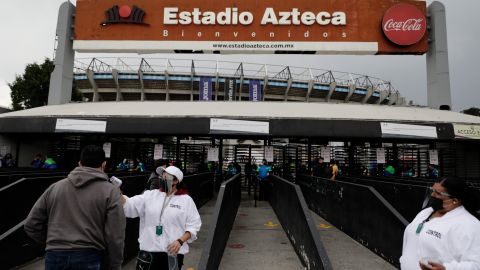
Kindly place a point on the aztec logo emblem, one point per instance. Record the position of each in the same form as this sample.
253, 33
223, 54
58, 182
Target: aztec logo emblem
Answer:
124, 15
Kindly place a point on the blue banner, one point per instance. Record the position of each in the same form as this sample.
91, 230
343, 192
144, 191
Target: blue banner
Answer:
205, 89
255, 90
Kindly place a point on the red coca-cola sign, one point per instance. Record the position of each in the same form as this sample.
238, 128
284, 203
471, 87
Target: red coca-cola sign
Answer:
404, 24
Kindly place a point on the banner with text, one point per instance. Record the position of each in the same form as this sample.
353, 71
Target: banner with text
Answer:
255, 90
230, 89
267, 26
205, 89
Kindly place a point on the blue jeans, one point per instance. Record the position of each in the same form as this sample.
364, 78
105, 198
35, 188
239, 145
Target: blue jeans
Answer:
78, 259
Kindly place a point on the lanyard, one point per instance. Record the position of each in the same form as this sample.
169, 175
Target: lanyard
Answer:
420, 226
165, 203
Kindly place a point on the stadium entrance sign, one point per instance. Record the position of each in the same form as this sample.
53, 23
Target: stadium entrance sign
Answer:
269, 26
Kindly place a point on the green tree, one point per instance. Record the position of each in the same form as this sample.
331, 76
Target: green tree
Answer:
30, 90
472, 111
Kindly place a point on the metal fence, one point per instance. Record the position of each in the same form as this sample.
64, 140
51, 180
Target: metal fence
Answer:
289, 204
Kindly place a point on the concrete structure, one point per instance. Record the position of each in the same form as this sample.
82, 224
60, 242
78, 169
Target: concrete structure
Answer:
438, 75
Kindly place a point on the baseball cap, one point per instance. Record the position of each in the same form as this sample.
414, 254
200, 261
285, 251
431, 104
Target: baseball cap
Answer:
175, 172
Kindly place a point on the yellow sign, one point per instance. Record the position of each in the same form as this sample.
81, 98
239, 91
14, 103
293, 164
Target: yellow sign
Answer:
324, 226
467, 131
270, 224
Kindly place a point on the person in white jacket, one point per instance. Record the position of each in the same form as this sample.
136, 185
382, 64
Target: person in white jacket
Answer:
169, 220
444, 236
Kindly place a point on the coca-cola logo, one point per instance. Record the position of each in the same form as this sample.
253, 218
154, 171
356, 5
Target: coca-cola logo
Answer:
404, 24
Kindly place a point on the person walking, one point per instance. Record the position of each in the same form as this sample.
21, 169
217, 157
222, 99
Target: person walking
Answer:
80, 218
445, 235
263, 173
169, 220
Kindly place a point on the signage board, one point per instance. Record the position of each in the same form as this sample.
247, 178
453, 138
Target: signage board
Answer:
394, 130
433, 156
78, 125
107, 148
269, 153
381, 156
467, 131
325, 153
269, 26
158, 151
212, 154
238, 126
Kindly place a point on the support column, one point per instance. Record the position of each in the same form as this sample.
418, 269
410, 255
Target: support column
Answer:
438, 75
61, 79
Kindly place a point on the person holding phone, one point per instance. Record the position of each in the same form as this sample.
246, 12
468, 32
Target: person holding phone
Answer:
445, 235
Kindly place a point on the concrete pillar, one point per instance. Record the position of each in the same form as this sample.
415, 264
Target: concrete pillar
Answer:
438, 76
61, 79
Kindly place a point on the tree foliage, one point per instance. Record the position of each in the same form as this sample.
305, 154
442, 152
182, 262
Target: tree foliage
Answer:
472, 111
30, 90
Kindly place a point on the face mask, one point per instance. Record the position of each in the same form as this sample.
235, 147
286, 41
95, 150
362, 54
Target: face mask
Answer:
435, 203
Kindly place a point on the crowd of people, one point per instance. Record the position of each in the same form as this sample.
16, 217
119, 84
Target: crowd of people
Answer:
81, 219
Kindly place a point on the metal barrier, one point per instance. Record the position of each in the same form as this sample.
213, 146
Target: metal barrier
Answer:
405, 198
359, 211
17, 248
291, 209
226, 208
17, 199
8, 179
200, 187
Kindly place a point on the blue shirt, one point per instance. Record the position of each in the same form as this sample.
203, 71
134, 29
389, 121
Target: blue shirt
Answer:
263, 171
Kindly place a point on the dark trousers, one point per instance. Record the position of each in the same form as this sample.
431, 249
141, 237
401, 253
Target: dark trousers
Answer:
263, 194
155, 260
79, 259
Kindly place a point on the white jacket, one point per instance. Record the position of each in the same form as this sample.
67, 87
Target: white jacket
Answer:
179, 216
453, 240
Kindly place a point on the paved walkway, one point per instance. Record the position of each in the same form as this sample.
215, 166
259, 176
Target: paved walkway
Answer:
258, 241
346, 253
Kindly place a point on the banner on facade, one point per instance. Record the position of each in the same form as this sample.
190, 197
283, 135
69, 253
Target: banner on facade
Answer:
205, 89
255, 90
230, 89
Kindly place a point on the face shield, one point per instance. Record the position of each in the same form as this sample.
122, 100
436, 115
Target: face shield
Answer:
169, 181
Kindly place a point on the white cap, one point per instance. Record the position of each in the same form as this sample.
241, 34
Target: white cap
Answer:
175, 172
160, 170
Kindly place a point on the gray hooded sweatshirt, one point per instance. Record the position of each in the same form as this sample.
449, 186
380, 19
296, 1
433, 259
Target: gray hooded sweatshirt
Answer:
81, 211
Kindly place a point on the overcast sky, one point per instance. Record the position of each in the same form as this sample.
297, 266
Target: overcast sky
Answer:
28, 35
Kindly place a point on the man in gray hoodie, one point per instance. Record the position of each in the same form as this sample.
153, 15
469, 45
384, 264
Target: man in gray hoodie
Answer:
80, 218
